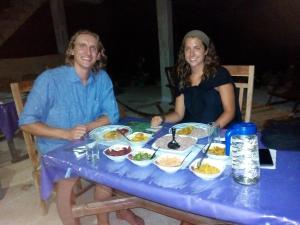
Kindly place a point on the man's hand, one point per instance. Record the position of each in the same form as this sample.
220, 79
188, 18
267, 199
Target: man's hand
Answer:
77, 132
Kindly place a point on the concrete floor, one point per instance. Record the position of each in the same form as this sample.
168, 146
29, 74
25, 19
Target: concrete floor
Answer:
18, 204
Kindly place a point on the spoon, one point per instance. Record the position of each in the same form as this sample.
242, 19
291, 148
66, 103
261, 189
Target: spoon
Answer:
123, 135
153, 155
211, 138
173, 144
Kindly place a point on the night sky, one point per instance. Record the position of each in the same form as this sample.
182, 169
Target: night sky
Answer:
261, 32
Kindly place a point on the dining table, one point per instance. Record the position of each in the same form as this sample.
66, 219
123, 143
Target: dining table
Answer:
275, 199
9, 125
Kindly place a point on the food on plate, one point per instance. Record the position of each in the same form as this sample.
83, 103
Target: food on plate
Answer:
184, 141
217, 150
118, 151
169, 160
141, 156
138, 137
192, 131
198, 132
186, 130
114, 134
206, 169
123, 130
111, 135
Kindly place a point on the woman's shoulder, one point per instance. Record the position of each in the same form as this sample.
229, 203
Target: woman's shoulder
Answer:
222, 71
222, 76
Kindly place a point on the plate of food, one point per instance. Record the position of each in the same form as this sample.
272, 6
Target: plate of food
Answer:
168, 162
185, 142
110, 133
197, 130
118, 152
217, 151
139, 138
209, 168
141, 156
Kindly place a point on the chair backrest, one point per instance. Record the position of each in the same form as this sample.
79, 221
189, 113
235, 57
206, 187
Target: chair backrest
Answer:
172, 79
18, 90
244, 79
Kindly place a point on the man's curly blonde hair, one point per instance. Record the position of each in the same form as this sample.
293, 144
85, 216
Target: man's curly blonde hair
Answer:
69, 57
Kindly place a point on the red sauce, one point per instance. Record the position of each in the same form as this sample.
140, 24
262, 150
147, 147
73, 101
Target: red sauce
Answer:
123, 151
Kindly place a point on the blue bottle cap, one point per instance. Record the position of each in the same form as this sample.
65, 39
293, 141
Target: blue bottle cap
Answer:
245, 128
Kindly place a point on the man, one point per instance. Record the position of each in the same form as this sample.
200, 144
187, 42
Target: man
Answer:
68, 101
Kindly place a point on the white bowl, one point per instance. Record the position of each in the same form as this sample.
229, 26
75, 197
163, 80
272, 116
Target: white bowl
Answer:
169, 159
142, 162
117, 148
221, 165
139, 138
214, 151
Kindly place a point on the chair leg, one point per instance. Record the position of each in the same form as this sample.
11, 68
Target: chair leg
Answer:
36, 179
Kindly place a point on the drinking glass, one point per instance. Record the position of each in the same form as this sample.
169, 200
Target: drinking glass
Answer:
92, 148
214, 132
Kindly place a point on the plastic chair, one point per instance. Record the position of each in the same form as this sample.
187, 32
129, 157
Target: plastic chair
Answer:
170, 72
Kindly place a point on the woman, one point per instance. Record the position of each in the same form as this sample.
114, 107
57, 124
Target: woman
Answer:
206, 91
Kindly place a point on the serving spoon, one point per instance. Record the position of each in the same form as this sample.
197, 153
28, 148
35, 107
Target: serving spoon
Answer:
173, 144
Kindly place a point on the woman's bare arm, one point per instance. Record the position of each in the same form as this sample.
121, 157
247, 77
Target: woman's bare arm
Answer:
172, 117
228, 101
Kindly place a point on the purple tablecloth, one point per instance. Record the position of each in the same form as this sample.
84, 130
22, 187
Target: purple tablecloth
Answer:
8, 119
274, 200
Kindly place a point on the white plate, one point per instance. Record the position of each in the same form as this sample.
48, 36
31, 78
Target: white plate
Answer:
117, 147
141, 163
139, 143
98, 134
182, 140
221, 165
201, 126
215, 156
168, 156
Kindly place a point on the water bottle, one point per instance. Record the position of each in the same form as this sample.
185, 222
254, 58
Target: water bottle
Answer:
242, 146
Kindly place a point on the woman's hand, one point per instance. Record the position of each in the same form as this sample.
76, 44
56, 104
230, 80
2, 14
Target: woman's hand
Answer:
156, 121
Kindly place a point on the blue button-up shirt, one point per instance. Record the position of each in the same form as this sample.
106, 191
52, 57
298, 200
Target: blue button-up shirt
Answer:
59, 99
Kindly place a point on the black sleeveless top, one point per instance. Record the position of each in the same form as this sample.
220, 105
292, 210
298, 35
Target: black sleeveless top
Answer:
203, 103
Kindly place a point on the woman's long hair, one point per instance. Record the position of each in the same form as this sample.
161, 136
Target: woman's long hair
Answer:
183, 69
99, 64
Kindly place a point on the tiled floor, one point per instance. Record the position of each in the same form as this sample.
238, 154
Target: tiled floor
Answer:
18, 205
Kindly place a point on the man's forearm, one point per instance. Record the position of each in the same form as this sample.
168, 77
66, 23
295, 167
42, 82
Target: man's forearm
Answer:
41, 129
103, 120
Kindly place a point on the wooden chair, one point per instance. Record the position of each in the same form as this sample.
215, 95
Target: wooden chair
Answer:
244, 79
18, 89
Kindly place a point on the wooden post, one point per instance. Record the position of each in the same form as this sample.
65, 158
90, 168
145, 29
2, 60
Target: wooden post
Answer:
59, 24
165, 37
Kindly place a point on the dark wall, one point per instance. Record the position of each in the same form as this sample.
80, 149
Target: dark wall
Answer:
35, 37
261, 32
128, 30
257, 31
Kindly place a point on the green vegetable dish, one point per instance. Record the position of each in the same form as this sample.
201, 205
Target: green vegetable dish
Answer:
142, 156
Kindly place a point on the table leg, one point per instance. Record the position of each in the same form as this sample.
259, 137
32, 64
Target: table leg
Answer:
15, 153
